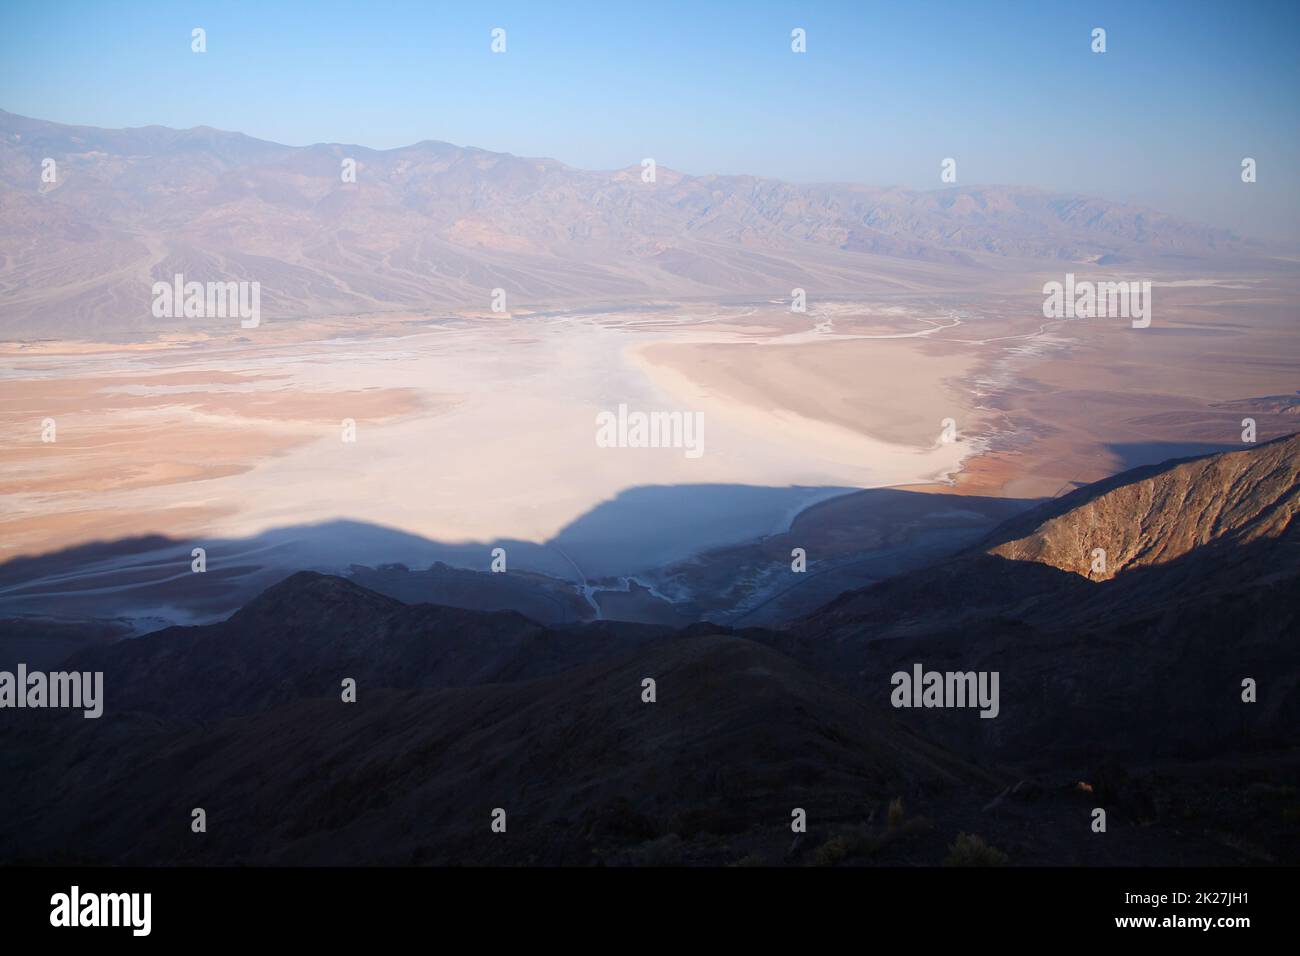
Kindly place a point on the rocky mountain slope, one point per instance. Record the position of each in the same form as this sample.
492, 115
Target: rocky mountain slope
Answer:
302, 636
246, 720
1123, 692
1201, 591
1162, 513
1191, 524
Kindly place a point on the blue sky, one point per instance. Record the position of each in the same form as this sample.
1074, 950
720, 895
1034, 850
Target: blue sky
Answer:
884, 93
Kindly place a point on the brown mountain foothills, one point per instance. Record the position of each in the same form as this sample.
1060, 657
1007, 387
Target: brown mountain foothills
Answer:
436, 226
1122, 691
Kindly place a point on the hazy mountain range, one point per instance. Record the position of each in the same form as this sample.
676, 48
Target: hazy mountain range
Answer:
437, 226
1119, 689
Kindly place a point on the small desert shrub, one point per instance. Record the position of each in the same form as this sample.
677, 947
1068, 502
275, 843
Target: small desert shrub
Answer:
854, 841
895, 811
971, 850
835, 850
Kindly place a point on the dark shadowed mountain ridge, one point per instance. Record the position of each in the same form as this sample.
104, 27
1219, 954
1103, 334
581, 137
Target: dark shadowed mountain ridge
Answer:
1141, 518
301, 637
1201, 591
1132, 683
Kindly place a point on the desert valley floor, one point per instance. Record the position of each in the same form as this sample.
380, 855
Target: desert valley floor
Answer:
475, 430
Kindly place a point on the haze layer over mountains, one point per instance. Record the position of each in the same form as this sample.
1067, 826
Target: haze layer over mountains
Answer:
437, 226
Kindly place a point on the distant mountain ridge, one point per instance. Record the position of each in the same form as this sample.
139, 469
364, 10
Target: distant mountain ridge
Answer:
437, 226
